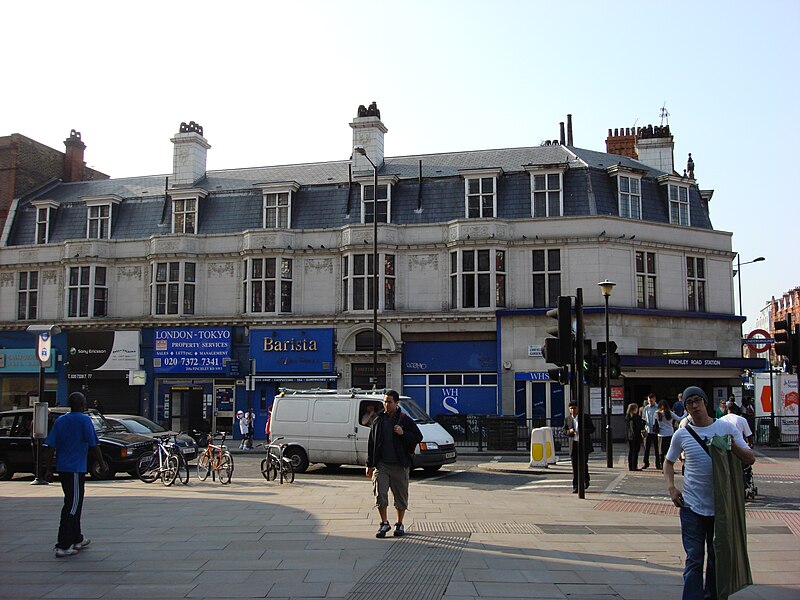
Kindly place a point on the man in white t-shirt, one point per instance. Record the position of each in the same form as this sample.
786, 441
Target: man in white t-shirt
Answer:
696, 501
734, 415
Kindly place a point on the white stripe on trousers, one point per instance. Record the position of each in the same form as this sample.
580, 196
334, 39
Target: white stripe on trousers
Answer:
76, 494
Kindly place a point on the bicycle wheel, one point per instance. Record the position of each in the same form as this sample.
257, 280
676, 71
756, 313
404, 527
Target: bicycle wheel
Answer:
287, 471
170, 470
225, 468
268, 470
183, 469
203, 467
147, 467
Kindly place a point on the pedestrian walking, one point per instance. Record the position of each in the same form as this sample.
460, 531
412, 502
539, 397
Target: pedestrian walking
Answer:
665, 424
677, 408
696, 500
651, 439
393, 437
575, 428
243, 428
634, 428
251, 428
71, 438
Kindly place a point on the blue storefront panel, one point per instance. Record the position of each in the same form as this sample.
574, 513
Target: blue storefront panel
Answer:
452, 377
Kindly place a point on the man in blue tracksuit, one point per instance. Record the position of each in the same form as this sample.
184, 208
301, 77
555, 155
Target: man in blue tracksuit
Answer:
72, 437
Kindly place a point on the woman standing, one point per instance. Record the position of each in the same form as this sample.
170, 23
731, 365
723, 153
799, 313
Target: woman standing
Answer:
634, 425
665, 424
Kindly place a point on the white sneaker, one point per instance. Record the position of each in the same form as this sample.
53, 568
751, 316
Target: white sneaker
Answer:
82, 544
60, 552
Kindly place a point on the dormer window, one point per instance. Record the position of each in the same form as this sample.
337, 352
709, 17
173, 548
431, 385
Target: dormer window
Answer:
383, 201
678, 194
45, 215
629, 190
277, 204
480, 193
100, 211
185, 210
547, 190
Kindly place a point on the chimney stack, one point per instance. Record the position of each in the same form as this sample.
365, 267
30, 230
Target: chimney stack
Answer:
73, 157
654, 146
189, 155
368, 131
569, 130
622, 141
562, 139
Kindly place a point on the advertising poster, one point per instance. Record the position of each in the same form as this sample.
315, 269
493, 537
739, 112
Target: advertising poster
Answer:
788, 401
191, 350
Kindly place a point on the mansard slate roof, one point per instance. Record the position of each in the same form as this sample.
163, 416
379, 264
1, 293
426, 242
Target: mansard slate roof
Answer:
326, 199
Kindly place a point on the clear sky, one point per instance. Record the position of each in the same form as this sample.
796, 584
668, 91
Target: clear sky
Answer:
278, 83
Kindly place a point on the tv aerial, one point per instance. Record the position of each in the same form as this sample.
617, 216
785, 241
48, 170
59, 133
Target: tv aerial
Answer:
664, 114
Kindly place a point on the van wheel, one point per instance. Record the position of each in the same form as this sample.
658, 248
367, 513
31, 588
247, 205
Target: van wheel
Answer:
6, 472
298, 457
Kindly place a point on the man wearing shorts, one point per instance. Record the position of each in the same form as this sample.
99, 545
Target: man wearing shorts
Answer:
392, 440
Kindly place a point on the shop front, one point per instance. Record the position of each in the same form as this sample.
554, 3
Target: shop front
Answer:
19, 378
452, 377
194, 386
539, 400
300, 359
99, 364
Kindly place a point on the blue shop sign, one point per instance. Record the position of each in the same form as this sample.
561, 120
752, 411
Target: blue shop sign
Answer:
450, 357
23, 360
532, 376
292, 350
191, 350
463, 400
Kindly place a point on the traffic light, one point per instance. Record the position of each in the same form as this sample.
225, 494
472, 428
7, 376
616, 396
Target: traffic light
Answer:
559, 375
613, 363
784, 342
591, 364
558, 350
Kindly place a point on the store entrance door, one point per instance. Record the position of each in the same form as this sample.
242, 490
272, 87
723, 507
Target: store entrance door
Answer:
186, 408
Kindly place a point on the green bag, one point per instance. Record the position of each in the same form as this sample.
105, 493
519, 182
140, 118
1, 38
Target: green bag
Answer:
730, 529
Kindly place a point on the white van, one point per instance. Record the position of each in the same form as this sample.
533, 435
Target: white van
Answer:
332, 427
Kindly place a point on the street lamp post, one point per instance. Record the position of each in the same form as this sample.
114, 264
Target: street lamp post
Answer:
362, 151
606, 288
44, 335
738, 275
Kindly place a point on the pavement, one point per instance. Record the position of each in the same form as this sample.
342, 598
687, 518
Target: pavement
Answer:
315, 539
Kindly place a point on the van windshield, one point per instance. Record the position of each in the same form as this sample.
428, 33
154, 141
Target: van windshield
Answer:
415, 412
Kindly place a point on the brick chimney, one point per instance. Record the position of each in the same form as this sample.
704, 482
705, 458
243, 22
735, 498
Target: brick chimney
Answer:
73, 157
655, 146
622, 141
368, 130
189, 154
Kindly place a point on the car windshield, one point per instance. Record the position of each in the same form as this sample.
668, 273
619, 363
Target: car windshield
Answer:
415, 412
141, 425
100, 423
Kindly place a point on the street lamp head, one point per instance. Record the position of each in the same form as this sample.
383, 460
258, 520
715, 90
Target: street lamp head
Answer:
759, 259
606, 287
360, 150
37, 329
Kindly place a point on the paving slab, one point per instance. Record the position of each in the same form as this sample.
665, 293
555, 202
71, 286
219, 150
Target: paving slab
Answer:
315, 539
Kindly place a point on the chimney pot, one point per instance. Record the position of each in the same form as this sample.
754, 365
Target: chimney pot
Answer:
569, 130
562, 139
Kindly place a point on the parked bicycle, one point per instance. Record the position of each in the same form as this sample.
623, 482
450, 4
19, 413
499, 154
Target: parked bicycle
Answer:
275, 464
165, 461
215, 460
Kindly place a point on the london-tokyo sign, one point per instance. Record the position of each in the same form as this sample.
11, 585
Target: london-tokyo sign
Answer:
758, 340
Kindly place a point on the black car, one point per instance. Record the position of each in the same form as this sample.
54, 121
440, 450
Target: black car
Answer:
120, 450
144, 426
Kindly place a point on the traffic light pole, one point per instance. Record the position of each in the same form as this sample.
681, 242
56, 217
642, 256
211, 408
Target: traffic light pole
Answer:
578, 383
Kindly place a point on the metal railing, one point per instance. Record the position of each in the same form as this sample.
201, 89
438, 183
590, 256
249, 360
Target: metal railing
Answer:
776, 431
489, 433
